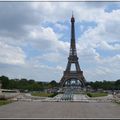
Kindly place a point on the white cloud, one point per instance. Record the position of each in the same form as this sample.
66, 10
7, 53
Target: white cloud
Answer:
52, 57
45, 39
104, 33
64, 11
108, 60
11, 55
61, 27
106, 46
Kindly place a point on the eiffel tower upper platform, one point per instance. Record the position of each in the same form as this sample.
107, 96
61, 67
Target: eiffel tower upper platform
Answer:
73, 77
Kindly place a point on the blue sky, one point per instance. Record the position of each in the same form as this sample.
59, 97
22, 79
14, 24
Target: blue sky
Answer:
35, 39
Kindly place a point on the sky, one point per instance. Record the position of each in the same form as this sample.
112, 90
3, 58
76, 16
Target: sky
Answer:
35, 39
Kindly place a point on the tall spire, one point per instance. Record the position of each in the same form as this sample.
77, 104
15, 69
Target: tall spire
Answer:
72, 18
72, 32
72, 13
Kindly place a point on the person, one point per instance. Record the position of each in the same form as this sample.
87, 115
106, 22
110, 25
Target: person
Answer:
114, 93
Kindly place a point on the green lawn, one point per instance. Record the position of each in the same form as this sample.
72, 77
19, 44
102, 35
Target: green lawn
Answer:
4, 102
97, 94
44, 94
118, 102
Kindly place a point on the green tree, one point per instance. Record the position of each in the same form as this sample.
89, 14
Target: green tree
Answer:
53, 83
5, 82
31, 81
117, 84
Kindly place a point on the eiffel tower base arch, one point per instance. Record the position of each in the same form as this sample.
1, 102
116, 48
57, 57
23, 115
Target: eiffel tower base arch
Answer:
73, 79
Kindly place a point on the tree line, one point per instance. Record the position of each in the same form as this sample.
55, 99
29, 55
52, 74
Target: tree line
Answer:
32, 85
105, 85
24, 84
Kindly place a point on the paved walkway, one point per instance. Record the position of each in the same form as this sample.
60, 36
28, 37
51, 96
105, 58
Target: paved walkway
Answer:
81, 97
37, 109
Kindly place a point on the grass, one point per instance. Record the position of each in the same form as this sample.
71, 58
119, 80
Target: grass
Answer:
117, 102
44, 94
97, 94
4, 102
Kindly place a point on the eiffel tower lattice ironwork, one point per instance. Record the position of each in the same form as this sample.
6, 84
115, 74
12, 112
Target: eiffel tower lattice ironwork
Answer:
76, 74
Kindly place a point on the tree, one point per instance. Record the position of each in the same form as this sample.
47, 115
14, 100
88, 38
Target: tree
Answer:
5, 82
31, 81
117, 84
53, 83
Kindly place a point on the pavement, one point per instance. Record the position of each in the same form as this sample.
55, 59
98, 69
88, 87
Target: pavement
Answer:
65, 109
81, 97
81, 106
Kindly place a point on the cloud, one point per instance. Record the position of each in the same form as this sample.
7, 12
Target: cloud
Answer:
61, 27
14, 16
52, 57
44, 36
104, 33
45, 39
11, 55
109, 47
64, 11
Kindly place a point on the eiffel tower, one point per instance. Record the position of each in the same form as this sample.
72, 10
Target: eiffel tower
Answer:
73, 77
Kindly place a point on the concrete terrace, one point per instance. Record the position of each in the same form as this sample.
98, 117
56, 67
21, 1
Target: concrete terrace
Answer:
65, 109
